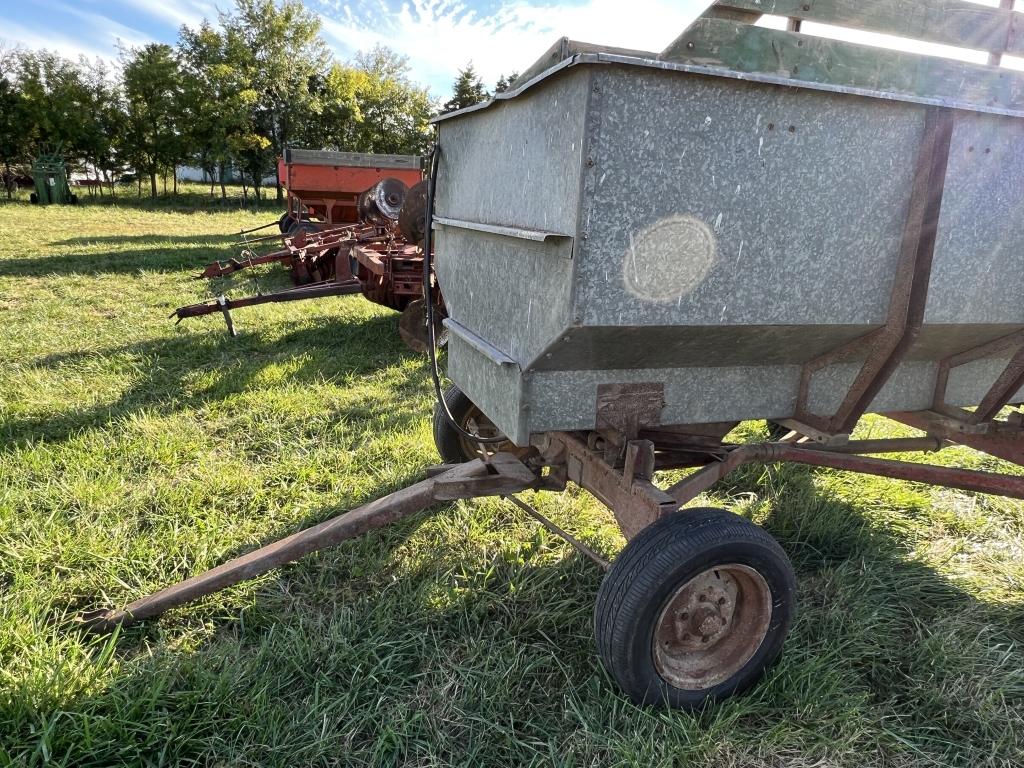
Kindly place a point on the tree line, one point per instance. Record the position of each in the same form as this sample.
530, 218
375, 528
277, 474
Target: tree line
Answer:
230, 96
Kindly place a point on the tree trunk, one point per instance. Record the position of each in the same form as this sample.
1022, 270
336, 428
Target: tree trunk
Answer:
8, 178
152, 184
138, 178
277, 176
223, 188
164, 174
174, 170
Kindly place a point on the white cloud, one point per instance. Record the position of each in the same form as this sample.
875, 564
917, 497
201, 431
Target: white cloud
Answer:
102, 30
177, 12
16, 34
440, 36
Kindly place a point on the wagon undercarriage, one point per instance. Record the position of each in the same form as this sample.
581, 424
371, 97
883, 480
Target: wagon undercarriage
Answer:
721, 621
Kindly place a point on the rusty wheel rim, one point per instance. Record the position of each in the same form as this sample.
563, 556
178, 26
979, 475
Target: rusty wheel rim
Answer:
477, 423
711, 626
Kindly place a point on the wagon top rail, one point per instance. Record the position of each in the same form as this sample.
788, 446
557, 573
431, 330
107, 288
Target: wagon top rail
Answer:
952, 51
351, 159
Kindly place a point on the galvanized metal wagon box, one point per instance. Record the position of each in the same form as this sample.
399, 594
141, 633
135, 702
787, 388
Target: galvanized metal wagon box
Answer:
625, 219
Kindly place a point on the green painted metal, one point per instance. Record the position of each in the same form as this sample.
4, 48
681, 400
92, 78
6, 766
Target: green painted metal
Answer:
51, 180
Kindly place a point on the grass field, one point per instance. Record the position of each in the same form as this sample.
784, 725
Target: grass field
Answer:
134, 453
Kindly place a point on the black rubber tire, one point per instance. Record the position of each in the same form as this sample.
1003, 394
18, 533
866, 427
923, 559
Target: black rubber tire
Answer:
284, 222
304, 226
449, 446
652, 566
33, 198
73, 199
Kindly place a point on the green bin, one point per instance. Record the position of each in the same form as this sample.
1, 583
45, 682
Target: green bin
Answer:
51, 180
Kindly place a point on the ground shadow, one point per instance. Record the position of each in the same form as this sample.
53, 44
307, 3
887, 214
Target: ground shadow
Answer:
334, 348
154, 253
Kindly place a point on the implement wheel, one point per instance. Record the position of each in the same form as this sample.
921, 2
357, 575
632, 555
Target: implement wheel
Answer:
455, 448
694, 609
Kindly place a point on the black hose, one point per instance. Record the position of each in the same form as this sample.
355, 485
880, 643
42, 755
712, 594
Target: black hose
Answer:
428, 302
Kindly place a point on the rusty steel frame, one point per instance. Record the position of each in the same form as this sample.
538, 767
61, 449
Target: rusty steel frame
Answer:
298, 247
500, 476
886, 347
1003, 389
626, 488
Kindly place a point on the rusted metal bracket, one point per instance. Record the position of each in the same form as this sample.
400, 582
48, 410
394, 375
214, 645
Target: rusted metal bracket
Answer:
507, 475
631, 495
1000, 439
886, 347
622, 409
1003, 389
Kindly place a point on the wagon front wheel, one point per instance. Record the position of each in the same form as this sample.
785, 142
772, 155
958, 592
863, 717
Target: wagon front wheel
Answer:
694, 609
456, 448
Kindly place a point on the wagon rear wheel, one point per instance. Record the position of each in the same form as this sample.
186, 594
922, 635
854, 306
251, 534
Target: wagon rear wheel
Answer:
455, 448
695, 608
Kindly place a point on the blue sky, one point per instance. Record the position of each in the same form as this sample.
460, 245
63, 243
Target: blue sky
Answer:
439, 36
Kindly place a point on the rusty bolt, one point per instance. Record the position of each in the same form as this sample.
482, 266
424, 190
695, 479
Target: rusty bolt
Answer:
690, 45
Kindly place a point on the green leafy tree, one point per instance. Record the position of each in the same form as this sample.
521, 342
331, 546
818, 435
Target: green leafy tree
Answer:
14, 139
467, 90
505, 82
333, 118
55, 103
107, 121
395, 111
218, 99
281, 53
154, 99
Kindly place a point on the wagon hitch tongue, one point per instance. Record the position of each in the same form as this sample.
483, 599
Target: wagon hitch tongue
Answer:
502, 474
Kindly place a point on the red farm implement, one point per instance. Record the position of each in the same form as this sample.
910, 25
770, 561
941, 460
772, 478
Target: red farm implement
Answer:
326, 187
353, 225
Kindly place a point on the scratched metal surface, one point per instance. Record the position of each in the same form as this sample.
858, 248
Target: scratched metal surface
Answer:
719, 232
513, 292
517, 164
979, 250
732, 203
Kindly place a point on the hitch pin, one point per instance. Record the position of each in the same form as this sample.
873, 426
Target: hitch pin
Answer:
222, 302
